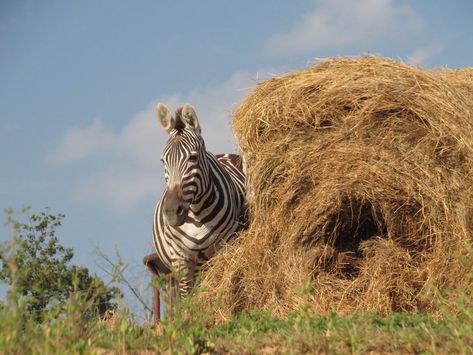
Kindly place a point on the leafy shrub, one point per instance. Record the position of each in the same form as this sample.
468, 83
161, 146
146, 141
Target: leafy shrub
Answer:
39, 269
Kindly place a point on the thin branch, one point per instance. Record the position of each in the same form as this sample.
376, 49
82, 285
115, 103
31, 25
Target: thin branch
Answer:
117, 273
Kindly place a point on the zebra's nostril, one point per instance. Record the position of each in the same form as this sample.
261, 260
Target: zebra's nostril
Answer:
180, 211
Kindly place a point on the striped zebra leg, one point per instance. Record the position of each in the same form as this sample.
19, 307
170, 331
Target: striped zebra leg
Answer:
184, 273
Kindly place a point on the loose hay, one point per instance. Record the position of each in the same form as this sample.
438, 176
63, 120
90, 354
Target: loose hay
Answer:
360, 190
461, 79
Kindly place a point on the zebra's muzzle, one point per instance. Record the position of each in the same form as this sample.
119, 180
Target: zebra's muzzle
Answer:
175, 210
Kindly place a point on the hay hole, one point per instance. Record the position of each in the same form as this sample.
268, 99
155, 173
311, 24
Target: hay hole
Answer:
355, 222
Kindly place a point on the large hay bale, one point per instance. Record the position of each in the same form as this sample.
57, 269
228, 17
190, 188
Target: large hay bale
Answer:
360, 191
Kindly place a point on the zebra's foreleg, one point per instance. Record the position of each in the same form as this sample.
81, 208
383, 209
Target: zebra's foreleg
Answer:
185, 275
180, 283
187, 278
172, 291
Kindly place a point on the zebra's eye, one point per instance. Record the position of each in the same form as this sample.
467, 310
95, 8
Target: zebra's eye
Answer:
192, 158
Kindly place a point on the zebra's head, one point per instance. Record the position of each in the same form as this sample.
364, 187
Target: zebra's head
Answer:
184, 159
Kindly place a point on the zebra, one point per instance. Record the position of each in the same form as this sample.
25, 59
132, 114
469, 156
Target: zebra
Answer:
203, 205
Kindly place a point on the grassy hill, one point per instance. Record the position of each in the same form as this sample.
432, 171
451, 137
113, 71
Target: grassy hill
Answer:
191, 331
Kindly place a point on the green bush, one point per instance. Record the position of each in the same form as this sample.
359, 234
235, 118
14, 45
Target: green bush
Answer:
39, 269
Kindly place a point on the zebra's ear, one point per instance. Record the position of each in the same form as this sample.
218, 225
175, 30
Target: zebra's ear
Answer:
190, 117
165, 119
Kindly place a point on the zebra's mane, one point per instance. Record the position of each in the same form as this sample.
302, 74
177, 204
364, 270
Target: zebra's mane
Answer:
180, 125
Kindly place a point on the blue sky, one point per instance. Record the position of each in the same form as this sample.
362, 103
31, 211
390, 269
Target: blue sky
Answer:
79, 82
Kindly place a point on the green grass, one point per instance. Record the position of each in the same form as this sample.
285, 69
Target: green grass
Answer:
253, 332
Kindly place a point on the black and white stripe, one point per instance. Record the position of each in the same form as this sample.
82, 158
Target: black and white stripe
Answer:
211, 188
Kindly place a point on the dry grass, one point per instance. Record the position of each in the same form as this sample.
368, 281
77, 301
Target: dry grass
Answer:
462, 79
360, 190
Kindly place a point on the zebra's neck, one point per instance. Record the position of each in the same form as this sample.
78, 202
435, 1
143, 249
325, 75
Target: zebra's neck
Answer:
212, 190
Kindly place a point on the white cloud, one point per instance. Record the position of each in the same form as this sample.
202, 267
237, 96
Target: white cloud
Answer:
79, 143
342, 23
421, 55
119, 187
132, 171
